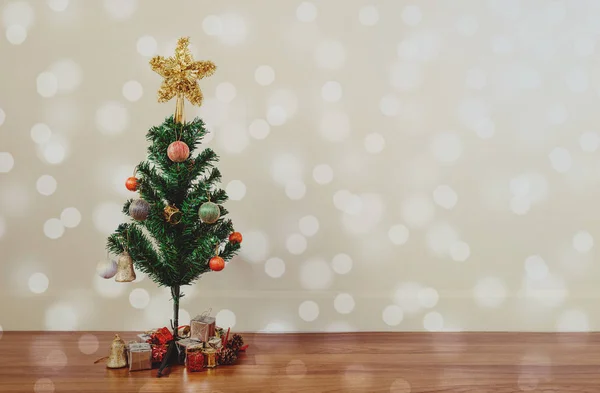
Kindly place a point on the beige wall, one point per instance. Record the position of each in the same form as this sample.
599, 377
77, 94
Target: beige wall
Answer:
392, 165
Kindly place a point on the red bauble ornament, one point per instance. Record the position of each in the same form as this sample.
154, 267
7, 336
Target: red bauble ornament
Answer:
216, 264
178, 151
131, 183
235, 237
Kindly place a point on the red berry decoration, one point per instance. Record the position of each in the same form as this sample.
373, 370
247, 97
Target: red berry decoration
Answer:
178, 151
235, 237
131, 183
216, 264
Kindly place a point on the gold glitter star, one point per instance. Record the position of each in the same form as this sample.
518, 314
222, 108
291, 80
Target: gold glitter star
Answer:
181, 75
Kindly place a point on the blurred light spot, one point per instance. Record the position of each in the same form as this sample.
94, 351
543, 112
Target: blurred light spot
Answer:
344, 303
335, 126
286, 167
232, 31
276, 115
389, 105
54, 228
400, 386
46, 185
112, 118
407, 297
490, 292
40, 133
58, 5
18, 13
132, 91
256, 246
236, 190
445, 197
47, 84
147, 46
341, 263
43, 385
306, 12
323, 174
7, 162
392, 315
88, 344
233, 137
315, 274
331, 91
406, 76
583, 242
440, 237
264, 75
107, 216
446, 147
295, 189
589, 141
61, 316
308, 225
536, 267
139, 298
308, 310
296, 369
467, 25
417, 210
368, 15
225, 92
411, 15
108, 288
433, 322
16, 34
460, 251
560, 158
259, 129
296, 244
226, 319
476, 79
577, 80
330, 55
120, 9
38, 283
428, 297
398, 234
374, 143
275, 267
573, 321
68, 74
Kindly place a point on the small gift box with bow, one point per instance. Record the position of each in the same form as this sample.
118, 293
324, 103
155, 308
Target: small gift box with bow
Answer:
202, 327
139, 356
194, 359
183, 345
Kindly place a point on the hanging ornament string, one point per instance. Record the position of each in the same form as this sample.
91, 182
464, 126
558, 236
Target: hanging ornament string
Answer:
217, 249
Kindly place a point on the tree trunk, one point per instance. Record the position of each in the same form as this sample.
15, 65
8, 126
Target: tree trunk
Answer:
175, 292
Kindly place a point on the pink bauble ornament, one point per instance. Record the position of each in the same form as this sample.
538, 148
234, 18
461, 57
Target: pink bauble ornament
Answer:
178, 151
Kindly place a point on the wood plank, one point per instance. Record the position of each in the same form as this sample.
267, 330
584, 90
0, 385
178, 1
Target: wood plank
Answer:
45, 362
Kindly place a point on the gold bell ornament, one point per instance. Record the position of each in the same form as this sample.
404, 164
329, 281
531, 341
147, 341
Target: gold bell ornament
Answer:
117, 357
125, 272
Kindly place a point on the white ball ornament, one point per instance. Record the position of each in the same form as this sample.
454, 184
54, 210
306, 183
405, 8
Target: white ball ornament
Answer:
107, 268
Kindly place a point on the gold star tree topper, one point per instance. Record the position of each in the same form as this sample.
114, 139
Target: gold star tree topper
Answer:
181, 75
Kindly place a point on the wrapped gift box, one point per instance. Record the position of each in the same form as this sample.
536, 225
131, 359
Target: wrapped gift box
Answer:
202, 327
139, 356
183, 345
194, 359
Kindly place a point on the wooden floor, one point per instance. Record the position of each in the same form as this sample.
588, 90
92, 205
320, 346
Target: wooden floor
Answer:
45, 362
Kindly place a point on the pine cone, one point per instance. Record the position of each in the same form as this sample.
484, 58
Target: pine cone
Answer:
227, 356
235, 342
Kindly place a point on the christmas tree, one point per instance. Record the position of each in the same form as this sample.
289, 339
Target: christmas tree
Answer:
178, 231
